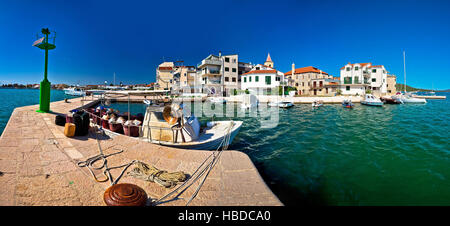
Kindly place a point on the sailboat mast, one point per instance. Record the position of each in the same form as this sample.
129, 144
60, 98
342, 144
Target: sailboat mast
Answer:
404, 71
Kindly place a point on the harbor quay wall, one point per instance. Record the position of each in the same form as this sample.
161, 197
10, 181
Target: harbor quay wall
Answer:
38, 166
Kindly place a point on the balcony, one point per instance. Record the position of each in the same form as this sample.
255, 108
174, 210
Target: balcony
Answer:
209, 62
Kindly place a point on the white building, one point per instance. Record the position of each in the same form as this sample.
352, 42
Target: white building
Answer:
219, 73
358, 77
261, 78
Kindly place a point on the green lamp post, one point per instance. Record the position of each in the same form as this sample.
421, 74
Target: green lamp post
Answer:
44, 95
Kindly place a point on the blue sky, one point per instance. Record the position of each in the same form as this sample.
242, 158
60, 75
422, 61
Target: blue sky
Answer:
97, 38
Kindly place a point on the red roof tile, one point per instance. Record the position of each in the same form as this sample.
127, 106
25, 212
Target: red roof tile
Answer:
305, 70
261, 72
165, 68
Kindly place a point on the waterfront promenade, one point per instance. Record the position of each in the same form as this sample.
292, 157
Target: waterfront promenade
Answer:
38, 166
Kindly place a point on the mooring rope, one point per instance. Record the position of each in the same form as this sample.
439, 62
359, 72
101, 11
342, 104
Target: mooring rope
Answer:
215, 157
89, 162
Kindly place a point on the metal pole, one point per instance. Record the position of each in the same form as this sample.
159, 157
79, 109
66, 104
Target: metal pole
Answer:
404, 71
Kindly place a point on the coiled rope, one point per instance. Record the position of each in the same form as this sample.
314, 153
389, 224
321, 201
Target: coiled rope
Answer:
153, 174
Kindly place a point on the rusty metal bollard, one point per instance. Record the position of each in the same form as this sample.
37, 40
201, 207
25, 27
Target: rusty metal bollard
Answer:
125, 195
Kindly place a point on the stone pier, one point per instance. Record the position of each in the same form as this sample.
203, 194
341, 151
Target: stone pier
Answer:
38, 166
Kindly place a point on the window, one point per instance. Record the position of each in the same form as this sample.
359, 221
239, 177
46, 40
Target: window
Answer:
347, 69
356, 68
374, 70
227, 69
356, 80
347, 88
245, 79
296, 84
227, 59
227, 79
234, 60
256, 78
268, 80
277, 79
303, 83
233, 79
184, 74
374, 79
250, 78
347, 80
257, 68
233, 69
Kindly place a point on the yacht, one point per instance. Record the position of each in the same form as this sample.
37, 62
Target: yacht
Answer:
407, 98
371, 100
75, 91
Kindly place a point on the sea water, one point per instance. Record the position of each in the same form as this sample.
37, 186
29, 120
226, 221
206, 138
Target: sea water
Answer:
13, 98
390, 155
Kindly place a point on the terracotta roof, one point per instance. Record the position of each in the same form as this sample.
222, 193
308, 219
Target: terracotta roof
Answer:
261, 72
165, 68
305, 70
376, 66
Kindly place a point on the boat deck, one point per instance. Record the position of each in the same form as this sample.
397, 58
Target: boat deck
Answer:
38, 166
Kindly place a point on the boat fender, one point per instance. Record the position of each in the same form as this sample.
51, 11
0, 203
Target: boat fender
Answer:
192, 128
60, 120
78, 121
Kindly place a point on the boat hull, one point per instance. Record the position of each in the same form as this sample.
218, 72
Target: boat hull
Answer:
212, 144
376, 104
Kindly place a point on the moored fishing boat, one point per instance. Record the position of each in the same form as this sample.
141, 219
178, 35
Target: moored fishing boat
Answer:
347, 104
317, 103
172, 128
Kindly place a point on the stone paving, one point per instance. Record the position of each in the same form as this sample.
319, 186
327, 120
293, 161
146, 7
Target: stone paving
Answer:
38, 166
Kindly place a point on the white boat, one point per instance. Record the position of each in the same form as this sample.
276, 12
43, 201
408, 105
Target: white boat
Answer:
317, 103
371, 100
408, 99
249, 101
285, 104
176, 130
217, 100
75, 91
281, 104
